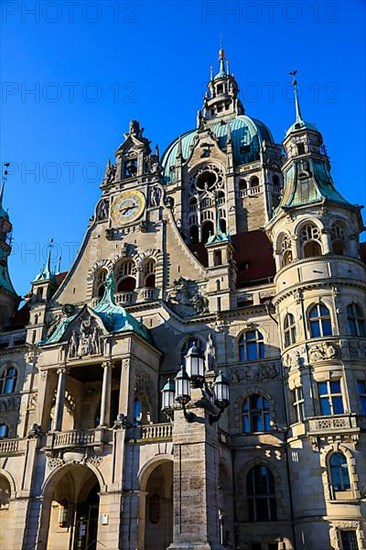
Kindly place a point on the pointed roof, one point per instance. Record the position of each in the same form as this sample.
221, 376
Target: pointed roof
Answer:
113, 317
299, 123
46, 273
308, 184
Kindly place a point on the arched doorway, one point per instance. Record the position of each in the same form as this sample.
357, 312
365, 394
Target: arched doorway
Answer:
157, 512
71, 509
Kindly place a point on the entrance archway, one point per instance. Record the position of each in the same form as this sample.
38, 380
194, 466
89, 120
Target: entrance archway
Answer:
71, 509
157, 512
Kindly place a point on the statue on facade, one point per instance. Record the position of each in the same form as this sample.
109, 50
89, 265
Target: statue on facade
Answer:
210, 354
86, 339
103, 210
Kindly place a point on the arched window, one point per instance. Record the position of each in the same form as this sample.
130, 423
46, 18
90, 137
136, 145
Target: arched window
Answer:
217, 257
338, 237
261, 494
320, 322
310, 241
243, 185
339, 473
207, 231
4, 431
149, 274
137, 412
5, 492
289, 330
8, 380
99, 281
285, 250
254, 181
124, 276
256, 414
251, 346
356, 320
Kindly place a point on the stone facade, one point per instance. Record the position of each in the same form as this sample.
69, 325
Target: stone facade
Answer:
255, 258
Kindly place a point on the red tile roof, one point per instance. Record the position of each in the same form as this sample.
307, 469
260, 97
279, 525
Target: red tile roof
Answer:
253, 255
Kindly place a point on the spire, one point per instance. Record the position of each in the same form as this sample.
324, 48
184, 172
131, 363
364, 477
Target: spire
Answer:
46, 273
296, 94
3, 213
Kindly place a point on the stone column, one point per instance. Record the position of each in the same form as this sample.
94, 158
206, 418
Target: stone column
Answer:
60, 397
196, 474
105, 405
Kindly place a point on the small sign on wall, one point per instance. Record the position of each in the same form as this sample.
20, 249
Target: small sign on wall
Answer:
104, 519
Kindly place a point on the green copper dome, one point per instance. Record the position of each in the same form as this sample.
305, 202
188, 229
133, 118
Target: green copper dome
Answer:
247, 135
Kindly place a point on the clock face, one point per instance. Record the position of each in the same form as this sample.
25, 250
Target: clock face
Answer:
128, 207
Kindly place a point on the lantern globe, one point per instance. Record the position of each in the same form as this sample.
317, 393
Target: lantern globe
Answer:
182, 387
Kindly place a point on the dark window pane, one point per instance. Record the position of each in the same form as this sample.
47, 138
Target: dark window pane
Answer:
338, 405
262, 509
349, 540
315, 329
252, 351
335, 386
246, 425
322, 386
327, 327
325, 407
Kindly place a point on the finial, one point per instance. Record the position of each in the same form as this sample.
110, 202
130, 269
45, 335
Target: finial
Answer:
59, 264
48, 265
228, 67
211, 72
222, 61
179, 152
297, 104
5, 178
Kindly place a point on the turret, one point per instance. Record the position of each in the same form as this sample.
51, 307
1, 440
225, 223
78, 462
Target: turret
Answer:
9, 300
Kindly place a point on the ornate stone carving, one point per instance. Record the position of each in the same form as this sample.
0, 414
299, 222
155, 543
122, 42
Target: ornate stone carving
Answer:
35, 431
52, 323
184, 294
86, 339
255, 373
69, 309
32, 401
102, 210
57, 462
11, 403
323, 351
54, 463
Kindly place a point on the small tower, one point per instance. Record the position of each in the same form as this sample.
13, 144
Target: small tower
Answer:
9, 300
221, 268
43, 287
221, 100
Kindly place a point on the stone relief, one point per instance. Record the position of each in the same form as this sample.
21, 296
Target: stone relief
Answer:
186, 293
11, 403
86, 339
255, 373
323, 351
69, 309
93, 459
52, 323
156, 196
103, 210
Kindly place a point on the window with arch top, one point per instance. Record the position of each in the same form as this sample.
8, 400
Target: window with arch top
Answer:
289, 330
99, 281
149, 273
338, 238
285, 250
125, 279
261, 494
320, 321
310, 240
339, 473
256, 414
8, 380
5, 492
356, 320
251, 346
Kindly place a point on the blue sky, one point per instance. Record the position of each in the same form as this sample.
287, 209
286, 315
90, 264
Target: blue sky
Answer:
74, 73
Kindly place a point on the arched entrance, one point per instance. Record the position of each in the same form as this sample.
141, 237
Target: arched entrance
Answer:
71, 509
157, 512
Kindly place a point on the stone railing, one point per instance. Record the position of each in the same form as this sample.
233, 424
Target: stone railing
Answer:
12, 446
75, 438
250, 191
332, 424
147, 294
157, 431
125, 298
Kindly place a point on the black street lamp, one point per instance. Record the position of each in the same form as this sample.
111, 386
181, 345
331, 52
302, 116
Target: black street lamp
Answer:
193, 375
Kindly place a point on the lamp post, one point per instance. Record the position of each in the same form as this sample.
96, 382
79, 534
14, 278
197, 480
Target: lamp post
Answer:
192, 375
